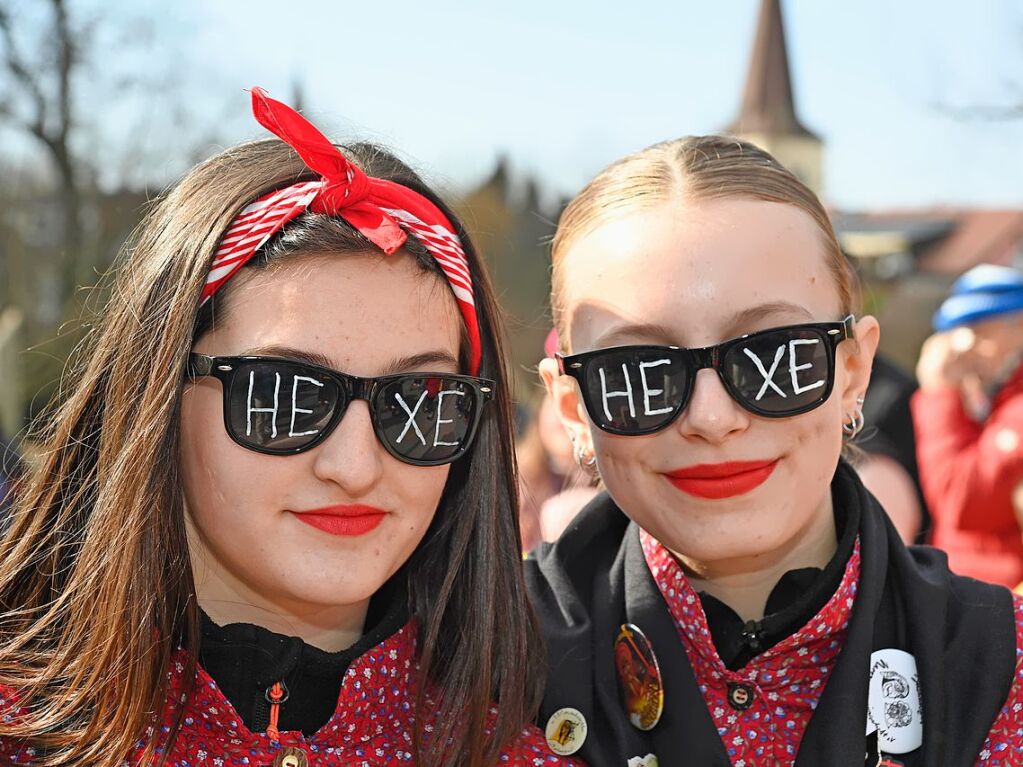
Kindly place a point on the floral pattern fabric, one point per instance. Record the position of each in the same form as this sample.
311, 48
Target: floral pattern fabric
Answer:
779, 689
372, 724
1004, 744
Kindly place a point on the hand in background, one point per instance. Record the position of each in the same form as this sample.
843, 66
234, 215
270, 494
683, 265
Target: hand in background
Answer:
946, 359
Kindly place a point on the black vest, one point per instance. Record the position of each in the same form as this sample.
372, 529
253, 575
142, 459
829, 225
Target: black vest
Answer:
961, 632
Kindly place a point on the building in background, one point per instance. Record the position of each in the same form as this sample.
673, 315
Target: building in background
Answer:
907, 258
767, 116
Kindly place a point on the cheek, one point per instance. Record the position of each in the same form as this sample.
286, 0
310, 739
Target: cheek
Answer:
419, 490
626, 463
223, 483
816, 441
610, 448
200, 410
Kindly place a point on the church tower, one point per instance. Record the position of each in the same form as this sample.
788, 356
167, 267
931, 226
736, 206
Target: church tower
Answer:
767, 117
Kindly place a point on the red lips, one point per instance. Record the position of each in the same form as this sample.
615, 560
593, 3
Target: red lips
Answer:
721, 480
344, 520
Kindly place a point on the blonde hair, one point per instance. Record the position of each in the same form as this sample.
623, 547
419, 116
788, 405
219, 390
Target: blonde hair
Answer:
692, 169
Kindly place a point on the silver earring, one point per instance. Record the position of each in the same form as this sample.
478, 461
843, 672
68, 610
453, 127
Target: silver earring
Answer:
856, 420
586, 464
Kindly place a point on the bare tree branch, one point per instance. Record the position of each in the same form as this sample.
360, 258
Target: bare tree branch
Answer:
66, 58
985, 112
47, 85
23, 76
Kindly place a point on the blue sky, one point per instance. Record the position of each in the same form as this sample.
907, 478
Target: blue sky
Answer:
563, 88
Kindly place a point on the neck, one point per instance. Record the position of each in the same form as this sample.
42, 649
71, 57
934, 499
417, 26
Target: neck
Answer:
227, 599
329, 628
745, 583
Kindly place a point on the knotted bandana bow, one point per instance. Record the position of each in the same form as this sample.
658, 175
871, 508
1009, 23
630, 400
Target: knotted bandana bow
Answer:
383, 211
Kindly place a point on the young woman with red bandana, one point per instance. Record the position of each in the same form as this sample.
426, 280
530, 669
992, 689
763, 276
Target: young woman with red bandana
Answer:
736, 597
275, 520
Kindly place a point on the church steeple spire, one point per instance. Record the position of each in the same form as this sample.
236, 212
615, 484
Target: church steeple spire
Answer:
767, 103
767, 116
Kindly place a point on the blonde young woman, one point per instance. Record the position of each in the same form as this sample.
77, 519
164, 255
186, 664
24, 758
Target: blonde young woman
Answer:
736, 597
275, 521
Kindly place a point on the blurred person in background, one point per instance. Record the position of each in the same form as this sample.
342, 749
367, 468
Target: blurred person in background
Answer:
888, 465
554, 480
968, 415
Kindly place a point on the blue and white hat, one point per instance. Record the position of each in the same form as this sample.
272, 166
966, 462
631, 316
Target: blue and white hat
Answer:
982, 293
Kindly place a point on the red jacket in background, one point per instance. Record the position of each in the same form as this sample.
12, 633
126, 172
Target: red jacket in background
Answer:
968, 471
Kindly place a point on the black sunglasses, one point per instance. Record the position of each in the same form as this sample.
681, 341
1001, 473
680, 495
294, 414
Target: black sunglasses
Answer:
776, 373
282, 407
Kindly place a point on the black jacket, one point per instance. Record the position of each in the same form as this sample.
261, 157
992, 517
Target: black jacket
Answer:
961, 632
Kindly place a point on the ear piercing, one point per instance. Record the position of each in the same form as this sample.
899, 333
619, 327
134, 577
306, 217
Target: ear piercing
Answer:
856, 420
580, 458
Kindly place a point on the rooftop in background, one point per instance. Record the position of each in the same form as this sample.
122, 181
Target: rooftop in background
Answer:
935, 240
890, 243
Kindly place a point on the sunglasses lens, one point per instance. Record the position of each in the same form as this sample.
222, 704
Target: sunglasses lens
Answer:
280, 407
634, 390
426, 419
782, 372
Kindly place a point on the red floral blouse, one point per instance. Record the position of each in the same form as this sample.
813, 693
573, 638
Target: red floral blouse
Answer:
371, 727
779, 689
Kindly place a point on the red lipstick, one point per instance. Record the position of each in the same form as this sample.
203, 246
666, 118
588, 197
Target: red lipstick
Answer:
721, 480
348, 520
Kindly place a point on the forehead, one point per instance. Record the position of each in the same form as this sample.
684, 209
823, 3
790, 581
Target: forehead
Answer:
692, 268
360, 310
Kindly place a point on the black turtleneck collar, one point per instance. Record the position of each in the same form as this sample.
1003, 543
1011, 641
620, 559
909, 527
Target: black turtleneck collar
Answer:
796, 598
245, 660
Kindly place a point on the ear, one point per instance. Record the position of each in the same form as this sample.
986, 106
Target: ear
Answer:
563, 390
858, 357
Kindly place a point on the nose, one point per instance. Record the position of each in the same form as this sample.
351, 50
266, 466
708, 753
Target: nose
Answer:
352, 456
712, 415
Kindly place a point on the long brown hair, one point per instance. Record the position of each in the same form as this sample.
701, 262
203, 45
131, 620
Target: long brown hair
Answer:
692, 169
96, 588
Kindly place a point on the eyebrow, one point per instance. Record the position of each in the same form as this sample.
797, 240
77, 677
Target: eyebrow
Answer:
648, 330
290, 353
740, 322
430, 359
434, 357
744, 319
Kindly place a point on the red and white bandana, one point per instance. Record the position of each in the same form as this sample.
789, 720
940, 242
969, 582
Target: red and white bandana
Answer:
383, 211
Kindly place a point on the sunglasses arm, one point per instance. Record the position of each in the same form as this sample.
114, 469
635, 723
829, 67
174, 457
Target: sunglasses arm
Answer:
199, 365
849, 324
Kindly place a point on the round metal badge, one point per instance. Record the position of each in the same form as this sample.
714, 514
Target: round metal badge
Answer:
641, 685
566, 731
291, 757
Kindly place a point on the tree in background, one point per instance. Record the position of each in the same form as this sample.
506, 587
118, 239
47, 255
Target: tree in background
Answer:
68, 207
37, 101
512, 227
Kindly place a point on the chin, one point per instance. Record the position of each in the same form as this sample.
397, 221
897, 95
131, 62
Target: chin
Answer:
327, 594
332, 583
711, 554
733, 539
